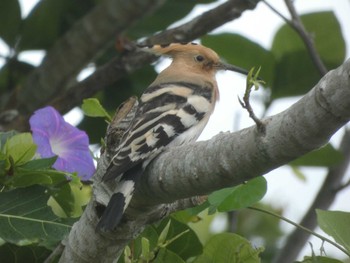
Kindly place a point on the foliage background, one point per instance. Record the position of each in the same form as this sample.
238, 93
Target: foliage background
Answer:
281, 68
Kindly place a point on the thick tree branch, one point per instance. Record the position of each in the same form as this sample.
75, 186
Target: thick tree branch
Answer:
131, 61
73, 51
65, 95
226, 160
78, 46
230, 159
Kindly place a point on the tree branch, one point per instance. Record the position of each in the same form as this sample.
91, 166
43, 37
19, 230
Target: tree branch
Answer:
64, 99
226, 160
131, 61
93, 33
229, 159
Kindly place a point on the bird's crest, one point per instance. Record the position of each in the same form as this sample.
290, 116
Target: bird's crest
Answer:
173, 49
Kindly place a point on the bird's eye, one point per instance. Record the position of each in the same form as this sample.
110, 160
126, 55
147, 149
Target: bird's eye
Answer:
199, 58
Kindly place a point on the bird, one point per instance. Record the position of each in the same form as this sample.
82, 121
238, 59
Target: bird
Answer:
172, 111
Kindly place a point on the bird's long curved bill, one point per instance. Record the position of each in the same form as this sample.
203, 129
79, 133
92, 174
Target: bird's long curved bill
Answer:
230, 67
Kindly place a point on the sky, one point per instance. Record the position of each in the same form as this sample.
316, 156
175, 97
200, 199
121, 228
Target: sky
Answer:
228, 116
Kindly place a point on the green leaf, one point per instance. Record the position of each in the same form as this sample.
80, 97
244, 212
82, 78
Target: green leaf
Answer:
38, 164
335, 224
240, 196
165, 255
295, 73
243, 52
151, 235
30, 254
65, 199
68, 197
10, 20
92, 107
145, 254
26, 177
325, 156
186, 245
164, 233
229, 248
21, 148
25, 218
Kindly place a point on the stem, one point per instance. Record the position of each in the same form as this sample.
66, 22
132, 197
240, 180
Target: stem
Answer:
324, 239
307, 39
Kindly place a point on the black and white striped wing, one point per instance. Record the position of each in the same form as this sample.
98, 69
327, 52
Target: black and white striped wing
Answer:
170, 113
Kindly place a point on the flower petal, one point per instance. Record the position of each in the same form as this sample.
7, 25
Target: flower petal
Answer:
54, 136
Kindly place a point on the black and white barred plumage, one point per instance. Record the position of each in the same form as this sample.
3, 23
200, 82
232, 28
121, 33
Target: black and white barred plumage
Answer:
172, 111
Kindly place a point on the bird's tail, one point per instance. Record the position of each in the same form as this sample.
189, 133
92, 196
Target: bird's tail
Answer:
119, 201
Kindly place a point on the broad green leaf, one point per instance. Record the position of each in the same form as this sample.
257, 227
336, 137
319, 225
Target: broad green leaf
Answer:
65, 199
38, 164
10, 20
240, 196
27, 177
325, 156
10, 253
69, 198
229, 248
25, 218
319, 259
186, 245
93, 108
242, 52
165, 255
335, 224
295, 73
21, 148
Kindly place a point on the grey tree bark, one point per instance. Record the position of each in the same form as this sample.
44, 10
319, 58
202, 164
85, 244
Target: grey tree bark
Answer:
228, 159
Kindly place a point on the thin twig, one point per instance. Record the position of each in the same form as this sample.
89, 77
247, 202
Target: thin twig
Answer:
252, 81
55, 253
296, 23
324, 239
307, 38
289, 22
342, 187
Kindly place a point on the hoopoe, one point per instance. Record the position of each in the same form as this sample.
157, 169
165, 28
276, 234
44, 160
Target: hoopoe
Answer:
172, 111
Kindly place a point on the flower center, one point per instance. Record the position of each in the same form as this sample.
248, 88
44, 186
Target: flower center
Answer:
56, 146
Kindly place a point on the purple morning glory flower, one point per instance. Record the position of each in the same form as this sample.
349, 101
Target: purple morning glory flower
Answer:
54, 136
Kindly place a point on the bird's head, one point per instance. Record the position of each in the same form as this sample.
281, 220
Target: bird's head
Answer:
194, 57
